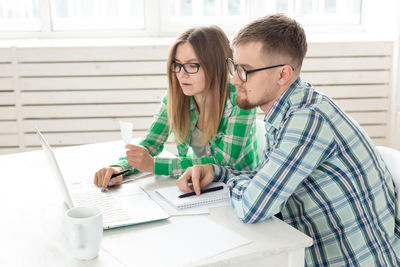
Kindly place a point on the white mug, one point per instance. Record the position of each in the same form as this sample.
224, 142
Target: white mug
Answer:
84, 227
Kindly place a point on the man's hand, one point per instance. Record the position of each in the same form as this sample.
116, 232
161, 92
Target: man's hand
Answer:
139, 158
199, 175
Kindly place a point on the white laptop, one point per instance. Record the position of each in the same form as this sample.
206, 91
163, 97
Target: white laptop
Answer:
132, 206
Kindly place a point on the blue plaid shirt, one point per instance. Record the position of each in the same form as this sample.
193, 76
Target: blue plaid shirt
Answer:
324, 175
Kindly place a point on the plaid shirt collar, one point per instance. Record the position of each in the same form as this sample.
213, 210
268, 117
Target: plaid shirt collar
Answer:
277, 112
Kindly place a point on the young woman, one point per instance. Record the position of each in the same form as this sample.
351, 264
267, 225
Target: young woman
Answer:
200, 111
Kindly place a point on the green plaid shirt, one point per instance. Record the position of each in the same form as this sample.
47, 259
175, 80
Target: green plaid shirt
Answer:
234, 144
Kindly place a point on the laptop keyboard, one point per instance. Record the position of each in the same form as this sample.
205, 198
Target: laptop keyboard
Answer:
108, 205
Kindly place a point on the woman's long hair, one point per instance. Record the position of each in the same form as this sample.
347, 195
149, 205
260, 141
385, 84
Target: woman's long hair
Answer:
212, 48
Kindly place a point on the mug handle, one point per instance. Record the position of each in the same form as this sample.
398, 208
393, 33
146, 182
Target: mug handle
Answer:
76, 236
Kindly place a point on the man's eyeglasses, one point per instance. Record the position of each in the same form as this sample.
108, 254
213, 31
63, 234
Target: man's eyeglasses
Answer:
190, 68
242, 72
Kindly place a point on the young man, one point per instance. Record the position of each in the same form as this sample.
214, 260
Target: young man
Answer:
321, 172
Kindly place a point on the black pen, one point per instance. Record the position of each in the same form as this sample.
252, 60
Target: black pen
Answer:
119, 173
212, 189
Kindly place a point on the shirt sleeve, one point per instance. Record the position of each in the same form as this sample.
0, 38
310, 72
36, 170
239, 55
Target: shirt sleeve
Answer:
304, 141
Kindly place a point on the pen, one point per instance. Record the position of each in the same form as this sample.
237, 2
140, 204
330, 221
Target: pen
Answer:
212, 189
119, 173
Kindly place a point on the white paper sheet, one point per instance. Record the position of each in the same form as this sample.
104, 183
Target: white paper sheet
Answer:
177, 244
126, 131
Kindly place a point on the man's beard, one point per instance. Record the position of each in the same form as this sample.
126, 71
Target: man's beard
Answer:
243, 103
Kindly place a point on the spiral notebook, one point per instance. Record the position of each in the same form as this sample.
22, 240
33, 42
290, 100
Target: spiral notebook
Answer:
171, 195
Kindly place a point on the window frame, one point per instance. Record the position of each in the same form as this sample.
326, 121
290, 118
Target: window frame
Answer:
150, 26
228, 26
156, 24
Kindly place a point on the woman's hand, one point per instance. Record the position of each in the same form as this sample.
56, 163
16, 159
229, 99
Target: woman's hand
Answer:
102, 177
139, 158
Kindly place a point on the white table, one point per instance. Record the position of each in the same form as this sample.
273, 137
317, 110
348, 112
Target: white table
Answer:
32, 210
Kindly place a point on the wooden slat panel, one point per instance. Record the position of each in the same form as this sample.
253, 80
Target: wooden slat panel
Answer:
5, 55
77, 138
73, 54
61, 125
355, 91
8, 140
6, 84
6, 70
81, 83
351, 77
396, 127
331, 49
369, 117
355, 74
7, 98
380, 141
4, 151
93, 68
96, 111
95, 97
8, 113
159, 67
363, 104
87, 97
8, 127
53, 54
376, 130
347, 63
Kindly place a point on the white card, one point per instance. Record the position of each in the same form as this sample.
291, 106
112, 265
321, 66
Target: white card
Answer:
126, 131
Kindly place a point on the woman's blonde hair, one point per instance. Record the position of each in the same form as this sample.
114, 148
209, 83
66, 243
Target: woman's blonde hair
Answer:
212, 48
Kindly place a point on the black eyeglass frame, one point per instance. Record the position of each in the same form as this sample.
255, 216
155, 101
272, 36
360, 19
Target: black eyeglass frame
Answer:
184, 68
235, 66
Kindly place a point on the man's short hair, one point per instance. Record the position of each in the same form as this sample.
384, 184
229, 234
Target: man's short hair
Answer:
279, 34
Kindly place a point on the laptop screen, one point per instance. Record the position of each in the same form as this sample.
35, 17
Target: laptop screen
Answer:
55, 168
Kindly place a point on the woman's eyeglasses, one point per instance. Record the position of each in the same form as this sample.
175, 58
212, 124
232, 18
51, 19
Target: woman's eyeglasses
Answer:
190, 68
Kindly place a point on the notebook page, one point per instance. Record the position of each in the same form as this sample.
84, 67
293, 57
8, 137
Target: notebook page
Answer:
173, 211
171, 195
